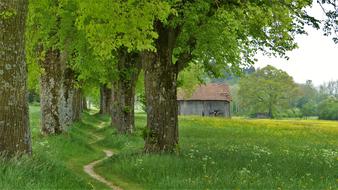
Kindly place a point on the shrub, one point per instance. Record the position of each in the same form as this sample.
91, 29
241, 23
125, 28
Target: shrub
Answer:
328, 109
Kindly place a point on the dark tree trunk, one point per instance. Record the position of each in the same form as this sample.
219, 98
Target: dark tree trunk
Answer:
77, 105
160, 88
105, 100
51, 82
124, 91
84, 103
270, 114
162, 108
15, 136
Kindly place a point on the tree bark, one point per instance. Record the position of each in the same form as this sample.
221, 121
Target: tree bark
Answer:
105, 99
161, 96
15, 136
77, 105
129, 66
61, 100
51, 82
71, 99
84, 103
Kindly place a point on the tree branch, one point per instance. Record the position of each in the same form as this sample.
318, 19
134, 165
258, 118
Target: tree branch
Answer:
183, 61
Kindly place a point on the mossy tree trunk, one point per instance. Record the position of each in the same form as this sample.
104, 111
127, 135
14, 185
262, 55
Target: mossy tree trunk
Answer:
15, 137
60, 98
162, 120
51, 82
129, 67
71, 105
160, 88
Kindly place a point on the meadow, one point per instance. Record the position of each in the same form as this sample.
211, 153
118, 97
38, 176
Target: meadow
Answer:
217, 153
214, 153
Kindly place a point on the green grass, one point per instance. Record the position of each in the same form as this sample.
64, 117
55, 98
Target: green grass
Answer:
234, 154
57, 161
214, 153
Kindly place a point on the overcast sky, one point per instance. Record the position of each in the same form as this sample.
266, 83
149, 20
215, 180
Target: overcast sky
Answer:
316, 58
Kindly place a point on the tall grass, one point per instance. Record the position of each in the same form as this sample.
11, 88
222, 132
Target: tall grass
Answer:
57, 161
236, 154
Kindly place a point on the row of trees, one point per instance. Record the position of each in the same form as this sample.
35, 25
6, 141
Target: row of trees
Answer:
270, 92
74, 45
326, 106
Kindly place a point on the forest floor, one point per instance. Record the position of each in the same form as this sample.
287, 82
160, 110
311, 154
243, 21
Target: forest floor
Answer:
214, 153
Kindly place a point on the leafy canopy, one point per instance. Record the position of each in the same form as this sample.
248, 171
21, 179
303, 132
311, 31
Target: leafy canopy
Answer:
110, 25
52, 25
226, 34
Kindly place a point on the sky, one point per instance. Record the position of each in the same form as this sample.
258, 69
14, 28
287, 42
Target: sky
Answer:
316, 58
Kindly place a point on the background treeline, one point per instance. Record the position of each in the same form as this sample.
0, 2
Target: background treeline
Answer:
303, 100
272, 93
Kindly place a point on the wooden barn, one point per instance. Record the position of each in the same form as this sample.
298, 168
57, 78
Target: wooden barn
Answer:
207, 100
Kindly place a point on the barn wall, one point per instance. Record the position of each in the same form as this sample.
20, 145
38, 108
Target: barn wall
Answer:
206, 108
191, 107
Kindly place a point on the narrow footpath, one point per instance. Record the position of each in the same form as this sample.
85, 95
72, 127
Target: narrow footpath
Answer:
89, 169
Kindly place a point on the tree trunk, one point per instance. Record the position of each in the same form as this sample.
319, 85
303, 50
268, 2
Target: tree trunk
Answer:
161, 97
15, 136
71, 106
67, 94
71, 99
162, 108
124, 91
84, 103
270, 114
77, 105
51, 82
105, 100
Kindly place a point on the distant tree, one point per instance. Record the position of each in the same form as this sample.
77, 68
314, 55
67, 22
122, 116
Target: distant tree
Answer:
328, 109
231, 78
267, 91
235, 103
309, 109
15, 134
307, 99
329, 89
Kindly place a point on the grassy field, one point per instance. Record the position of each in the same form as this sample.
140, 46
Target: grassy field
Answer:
57, 161
214, 154
234, 154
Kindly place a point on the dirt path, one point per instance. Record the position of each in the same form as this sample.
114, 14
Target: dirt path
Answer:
89, 169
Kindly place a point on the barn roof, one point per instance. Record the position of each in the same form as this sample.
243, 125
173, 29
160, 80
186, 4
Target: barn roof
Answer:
210, 91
